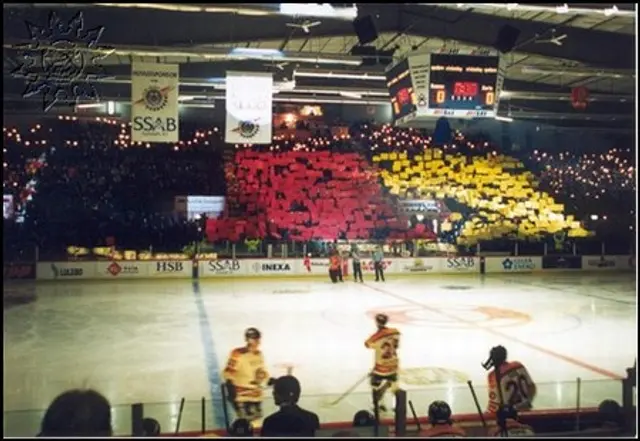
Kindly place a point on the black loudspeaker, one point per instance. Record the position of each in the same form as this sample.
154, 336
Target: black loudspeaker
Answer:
365, 29
507, 38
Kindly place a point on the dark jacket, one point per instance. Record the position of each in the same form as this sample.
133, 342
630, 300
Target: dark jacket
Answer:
290, 421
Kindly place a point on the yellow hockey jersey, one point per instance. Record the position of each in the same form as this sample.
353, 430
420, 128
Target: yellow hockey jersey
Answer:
385, 343
247, 371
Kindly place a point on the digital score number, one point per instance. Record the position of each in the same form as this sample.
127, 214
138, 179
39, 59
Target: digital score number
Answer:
462, 84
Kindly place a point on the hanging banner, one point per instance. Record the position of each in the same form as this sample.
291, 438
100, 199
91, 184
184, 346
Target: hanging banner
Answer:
154, 102
249, 98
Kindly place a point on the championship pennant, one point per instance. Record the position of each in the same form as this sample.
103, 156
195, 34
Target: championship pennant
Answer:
154, 102
249, 98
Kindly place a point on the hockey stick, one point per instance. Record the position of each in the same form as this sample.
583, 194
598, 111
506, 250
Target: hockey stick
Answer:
415, 415
347, 392
475, 400
180, 415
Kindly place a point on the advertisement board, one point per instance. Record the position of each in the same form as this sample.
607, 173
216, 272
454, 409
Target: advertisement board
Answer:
460, 265
18, 271
122, 270
561, 262
222, 268
272, 267
419, 265
65, 270
600, 263
170, 268
193, 206
388, 265
513, 264
627, 263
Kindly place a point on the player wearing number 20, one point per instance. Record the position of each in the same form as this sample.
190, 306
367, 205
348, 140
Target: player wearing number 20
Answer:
245, 376
385, 342
517, 389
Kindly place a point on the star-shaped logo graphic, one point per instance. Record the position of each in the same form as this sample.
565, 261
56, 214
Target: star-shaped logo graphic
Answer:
61, 60
507, 264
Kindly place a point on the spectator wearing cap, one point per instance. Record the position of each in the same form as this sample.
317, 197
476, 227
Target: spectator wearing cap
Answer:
291, 420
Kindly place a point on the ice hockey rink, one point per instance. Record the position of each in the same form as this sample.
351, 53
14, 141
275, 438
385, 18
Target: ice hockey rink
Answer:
158, 342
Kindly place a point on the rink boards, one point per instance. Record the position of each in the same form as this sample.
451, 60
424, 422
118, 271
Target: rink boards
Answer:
110, 270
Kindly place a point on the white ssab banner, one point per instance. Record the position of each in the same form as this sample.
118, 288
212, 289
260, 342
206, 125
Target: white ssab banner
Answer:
154, 102
249, 100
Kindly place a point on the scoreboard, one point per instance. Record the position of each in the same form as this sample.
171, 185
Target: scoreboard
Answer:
445, 84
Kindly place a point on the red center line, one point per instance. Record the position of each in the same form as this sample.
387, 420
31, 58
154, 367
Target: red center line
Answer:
549, 352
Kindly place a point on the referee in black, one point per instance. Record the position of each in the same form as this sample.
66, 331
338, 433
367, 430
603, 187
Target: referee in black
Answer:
357, 266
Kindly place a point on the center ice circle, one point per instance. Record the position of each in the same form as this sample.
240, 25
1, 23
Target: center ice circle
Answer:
453, 316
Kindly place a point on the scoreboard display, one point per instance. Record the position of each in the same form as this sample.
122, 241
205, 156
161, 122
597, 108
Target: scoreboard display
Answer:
400, 86
460, 83
445, 84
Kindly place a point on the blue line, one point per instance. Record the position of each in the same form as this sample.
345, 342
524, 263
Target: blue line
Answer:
212, 365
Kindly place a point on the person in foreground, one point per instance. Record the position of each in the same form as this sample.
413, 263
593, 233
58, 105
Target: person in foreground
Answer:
291, 420
441, 425
78, 412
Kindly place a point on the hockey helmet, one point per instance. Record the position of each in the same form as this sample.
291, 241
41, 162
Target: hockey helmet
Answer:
497, 356
439, 412
363, 418
252, 333
382, 319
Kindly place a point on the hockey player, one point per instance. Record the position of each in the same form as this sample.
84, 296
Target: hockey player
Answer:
334, 266
385, 342
245, 376
509, 382
441, 424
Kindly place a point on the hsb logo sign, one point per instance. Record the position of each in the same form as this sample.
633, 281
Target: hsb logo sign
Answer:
169, 267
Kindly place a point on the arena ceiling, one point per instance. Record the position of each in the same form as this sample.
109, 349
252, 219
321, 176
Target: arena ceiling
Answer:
597, 50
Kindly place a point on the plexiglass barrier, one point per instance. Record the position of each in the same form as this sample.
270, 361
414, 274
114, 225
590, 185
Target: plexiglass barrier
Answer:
198, 415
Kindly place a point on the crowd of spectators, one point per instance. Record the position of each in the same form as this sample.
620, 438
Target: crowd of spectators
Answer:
83, 182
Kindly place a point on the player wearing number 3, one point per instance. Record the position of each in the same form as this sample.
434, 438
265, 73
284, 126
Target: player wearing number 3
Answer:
385, 342
516, 386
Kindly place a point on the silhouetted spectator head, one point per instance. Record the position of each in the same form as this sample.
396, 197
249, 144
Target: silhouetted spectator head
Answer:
241, 427
286, 390
363, 418
150, 427
610, 412
77, 413
439, 413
